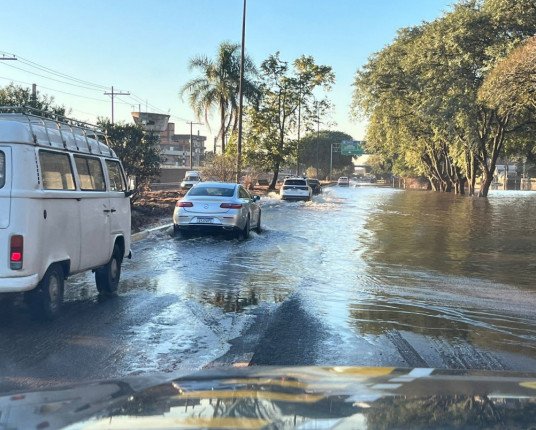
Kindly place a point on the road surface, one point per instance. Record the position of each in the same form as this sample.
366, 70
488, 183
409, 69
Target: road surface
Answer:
359, 276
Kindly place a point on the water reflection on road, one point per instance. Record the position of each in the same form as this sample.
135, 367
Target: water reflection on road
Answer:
388, 277
358, 276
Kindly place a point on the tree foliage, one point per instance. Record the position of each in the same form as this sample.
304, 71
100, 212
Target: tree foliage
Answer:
217, 86
137, 149
14, 95
287, 96
421, 95
315, 152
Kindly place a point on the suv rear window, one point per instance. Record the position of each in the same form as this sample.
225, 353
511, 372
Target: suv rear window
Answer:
2, 169
295, 182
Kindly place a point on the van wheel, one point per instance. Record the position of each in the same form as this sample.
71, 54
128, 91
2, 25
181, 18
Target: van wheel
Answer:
46, 299
107, 277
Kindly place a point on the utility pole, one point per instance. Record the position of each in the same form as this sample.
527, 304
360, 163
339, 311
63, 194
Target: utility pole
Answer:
191, 142
113, 94
241, 98
34, 95
298, 143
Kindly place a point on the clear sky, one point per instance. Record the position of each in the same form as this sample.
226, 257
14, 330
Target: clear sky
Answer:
144, 46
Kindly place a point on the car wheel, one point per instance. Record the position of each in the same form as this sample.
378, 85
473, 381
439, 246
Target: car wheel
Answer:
107, 277
46, 299
244, 233
258, 229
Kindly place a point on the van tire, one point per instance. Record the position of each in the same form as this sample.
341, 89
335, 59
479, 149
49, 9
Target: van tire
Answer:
107, 277
46, 299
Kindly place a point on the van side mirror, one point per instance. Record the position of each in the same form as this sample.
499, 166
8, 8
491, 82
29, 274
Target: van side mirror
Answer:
128, 193
256, 198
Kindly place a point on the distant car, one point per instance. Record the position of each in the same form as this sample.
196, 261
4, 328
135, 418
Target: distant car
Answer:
315, 186
343, 182
217, 206
295, 189
190, 179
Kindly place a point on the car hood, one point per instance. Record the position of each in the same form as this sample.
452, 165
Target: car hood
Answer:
285, 397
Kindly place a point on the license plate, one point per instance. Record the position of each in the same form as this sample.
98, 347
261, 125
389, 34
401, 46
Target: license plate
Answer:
204, 220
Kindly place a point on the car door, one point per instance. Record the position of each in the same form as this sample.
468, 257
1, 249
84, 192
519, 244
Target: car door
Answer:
253, 207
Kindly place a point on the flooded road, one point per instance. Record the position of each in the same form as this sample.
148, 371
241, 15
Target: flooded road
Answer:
359, 276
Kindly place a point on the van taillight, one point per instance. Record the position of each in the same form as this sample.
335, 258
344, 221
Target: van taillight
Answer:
16, 252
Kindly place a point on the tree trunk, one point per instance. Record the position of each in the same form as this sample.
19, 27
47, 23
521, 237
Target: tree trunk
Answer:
274, 179
461, 186
222, 130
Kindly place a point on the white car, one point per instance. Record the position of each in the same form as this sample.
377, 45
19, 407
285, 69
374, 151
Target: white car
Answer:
64, 208
217, 206
343, 182
191, 178
295, 189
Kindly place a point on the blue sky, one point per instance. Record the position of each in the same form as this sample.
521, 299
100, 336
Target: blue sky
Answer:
144, 46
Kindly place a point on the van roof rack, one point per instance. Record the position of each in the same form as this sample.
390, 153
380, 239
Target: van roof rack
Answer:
53, 130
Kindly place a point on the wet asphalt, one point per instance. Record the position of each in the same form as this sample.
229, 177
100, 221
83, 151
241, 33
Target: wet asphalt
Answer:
359, 276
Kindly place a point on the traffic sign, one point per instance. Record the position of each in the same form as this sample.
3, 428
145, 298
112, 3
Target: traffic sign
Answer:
352, 147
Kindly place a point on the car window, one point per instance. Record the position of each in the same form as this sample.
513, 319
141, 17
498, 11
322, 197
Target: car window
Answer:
57, 171
211, 191
2, 169
117, 181
192, 178
243, 194
295, 182
90, 173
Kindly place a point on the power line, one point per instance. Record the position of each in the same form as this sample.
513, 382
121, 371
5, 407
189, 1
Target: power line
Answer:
55, 89
55, 72
52, 79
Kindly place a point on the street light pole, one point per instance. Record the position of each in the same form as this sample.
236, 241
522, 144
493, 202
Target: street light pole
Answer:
331, 161
241, 98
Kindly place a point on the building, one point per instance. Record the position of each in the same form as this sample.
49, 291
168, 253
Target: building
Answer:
174, 148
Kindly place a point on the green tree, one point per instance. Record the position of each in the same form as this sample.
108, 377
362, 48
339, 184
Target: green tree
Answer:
420, 94
217, 85
315, 150
137, 149
14, 95
271, 126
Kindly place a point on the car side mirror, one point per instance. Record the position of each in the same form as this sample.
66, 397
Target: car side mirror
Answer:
256, 198
128, 193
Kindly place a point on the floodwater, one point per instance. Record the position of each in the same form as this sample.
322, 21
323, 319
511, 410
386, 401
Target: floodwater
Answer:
358, 276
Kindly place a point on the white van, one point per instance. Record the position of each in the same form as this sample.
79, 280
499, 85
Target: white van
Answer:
64, 208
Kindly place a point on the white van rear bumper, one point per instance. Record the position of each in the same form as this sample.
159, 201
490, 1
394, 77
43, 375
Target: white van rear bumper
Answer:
18, 284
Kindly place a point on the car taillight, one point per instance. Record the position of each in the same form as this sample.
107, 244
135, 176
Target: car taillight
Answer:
231, 206
16, 252
184, 204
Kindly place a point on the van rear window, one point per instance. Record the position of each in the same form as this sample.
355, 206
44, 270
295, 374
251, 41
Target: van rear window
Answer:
90, 173
57, 171
2, 169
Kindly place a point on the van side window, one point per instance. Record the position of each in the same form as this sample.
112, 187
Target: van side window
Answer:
117, 181
2, 169
90, 173
57, 171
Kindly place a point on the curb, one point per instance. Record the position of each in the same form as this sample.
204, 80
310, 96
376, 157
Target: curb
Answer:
136, 237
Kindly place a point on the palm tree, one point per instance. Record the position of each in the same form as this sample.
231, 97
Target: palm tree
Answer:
217, 85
